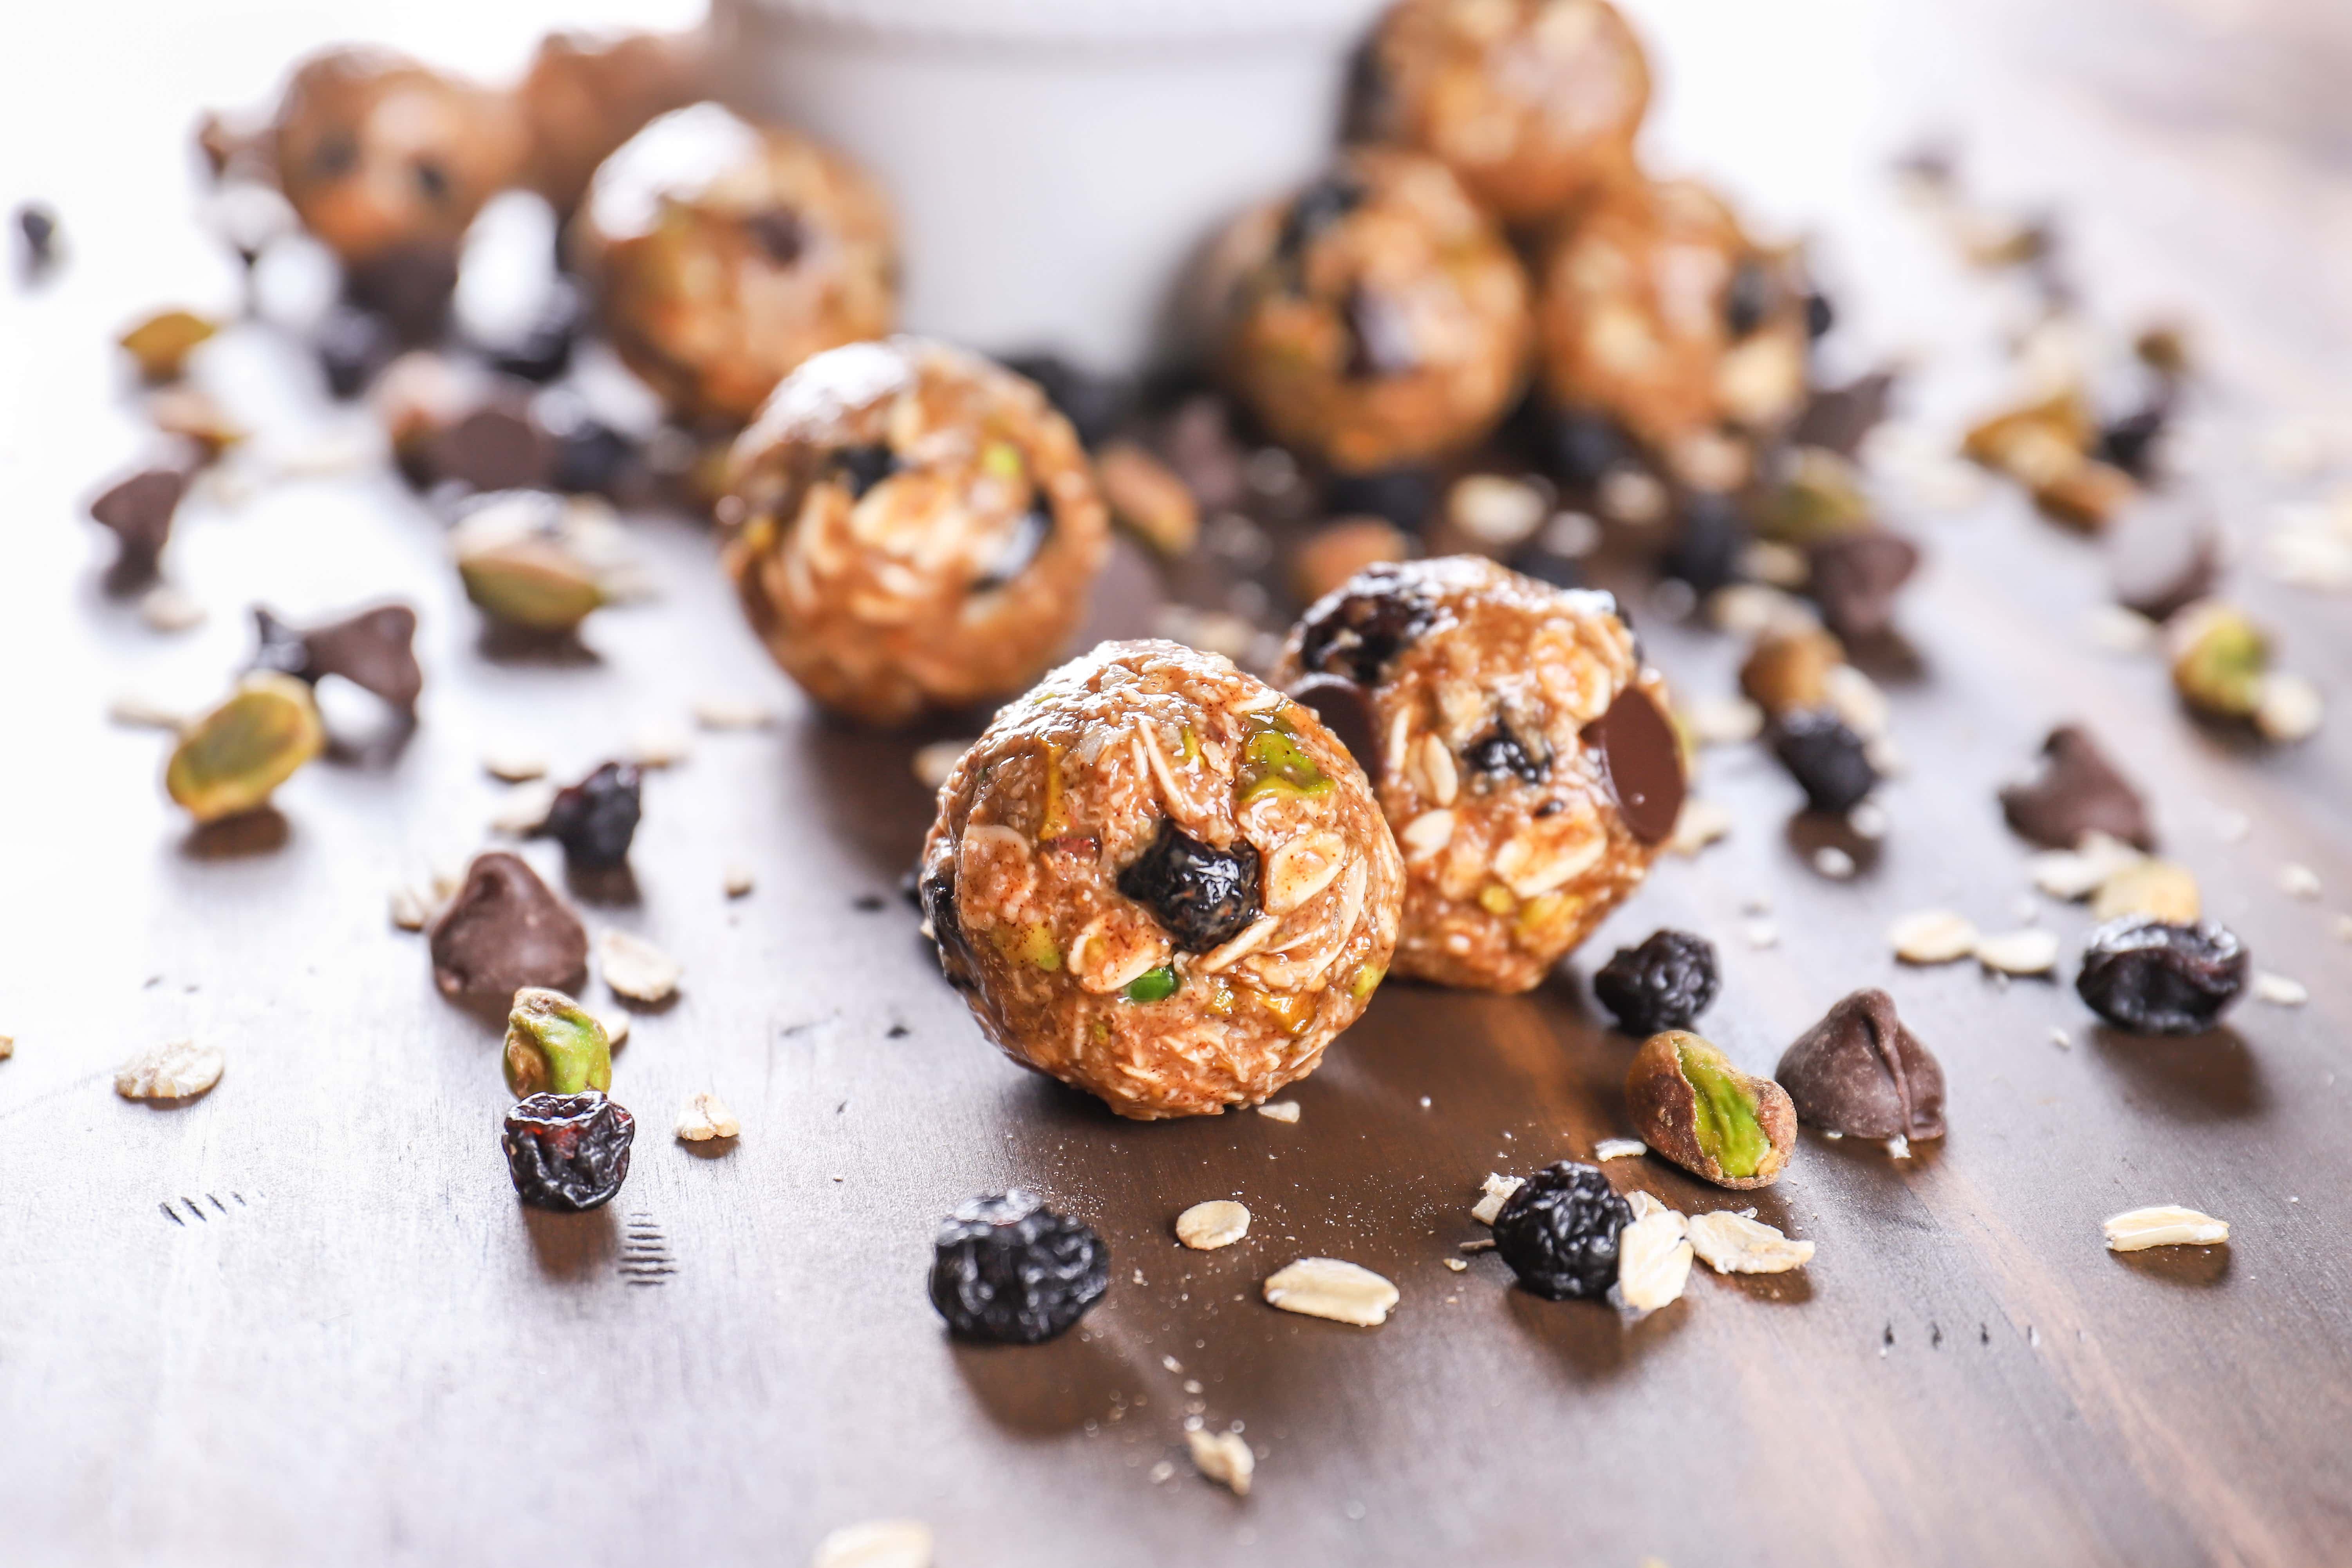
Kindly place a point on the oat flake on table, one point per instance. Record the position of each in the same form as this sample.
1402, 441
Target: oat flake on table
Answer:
1223, 1457
1654, 1259
634, 967
1332, 1288
1932, 936
878, 1543
706, 1117
1492, 1196
2028, 951
1732, 1243
180, 1070
514, 767
2278, 990
2163, 1225
1218, 1223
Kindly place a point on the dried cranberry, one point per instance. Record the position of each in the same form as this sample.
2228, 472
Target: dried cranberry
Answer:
1204, 897
1559, 1232
595, 819
2152, 978
568, 1152
1008, 1270
1664, 983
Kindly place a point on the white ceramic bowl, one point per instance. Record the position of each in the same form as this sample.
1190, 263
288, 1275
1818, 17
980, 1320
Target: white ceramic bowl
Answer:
1056, 164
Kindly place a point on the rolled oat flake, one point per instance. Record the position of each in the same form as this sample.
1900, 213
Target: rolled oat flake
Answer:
1331, 1288
2164, 1225
180, 1070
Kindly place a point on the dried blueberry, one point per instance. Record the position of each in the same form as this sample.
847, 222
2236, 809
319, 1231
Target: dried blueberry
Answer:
859, 468
1748, 297
1022, 542
595, 819
38, 226
1827, 761
1010, 1270
1821, 315
1313, 210
2152, 978
1205, 896
1664, 983
1405, 495
2130, 443
1582, 446
542, 351
1559, 1232
568, 1152
935, 895
1711, 533
1096, 406
1357, 631
591, 457
1500, 751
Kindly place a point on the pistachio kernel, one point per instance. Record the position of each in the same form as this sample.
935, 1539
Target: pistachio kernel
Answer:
2218, 660
1154, 984
554, 1045
163, 342
1690, 1104
231, 758
534, 583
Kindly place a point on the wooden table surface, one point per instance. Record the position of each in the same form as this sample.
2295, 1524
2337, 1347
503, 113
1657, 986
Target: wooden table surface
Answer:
303, 1321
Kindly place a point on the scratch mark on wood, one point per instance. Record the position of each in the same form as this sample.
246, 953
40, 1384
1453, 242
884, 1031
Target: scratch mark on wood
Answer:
171, 1214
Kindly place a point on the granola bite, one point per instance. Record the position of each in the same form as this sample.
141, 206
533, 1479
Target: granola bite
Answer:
1528, 101
378, 154
913, 528
586, 94
1377, 316
1658, 311
1160, 880
722, 253
1519, 747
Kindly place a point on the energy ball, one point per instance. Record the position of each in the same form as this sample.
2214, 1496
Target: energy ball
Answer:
1160, 880
1377, 317
1529, 102
722, 253
1519, 747
914, 528
1657, 310
585, 95
378, 154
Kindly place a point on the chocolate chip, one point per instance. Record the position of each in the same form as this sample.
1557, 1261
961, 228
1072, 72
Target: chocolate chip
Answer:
375, 650
1640, 762
139, 510
1838, 418
2076, 791
409, 285
2164, 556
1346, 709
1859, 1071
505, 930
495, 447
1857, 576
1405, 495
781, 233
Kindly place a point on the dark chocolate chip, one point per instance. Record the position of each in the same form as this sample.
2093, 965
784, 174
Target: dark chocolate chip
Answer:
1856, 578
139, 511
409, 285
1860, 1072
375, 650
495, 447
1096, 406
781, 233
1642, 763
1708, 539
505, 930
1346, 709
1838, 418
2076, 791
1405, 496
1379, 336
1747, 299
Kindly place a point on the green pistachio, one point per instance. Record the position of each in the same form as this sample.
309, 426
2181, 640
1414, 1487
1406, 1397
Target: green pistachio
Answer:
163, 342
1367, 981
1726, 1125
554, 1045
1822, 496
534, 583
1155, 985
2218, 660
231, 758
1037, 947
1690, 1104
1272, 760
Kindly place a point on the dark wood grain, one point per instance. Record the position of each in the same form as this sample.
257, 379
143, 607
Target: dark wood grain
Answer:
302, 1320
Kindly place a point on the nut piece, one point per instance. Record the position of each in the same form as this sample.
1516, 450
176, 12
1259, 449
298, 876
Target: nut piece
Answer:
554, 1045
2157, 888
1741, 1243
1223, 1457
1788, 669
1706, 1115
2219, 658
706, 1117
1932, 936
634, 967
1147, 497
163, 342
1204, 1227
878, 1543
231, 758
1330, 1288
1493, 1195
520, 567
2165, 1225
180, 1070
1653, 1260
1859, 1071
2028, 951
